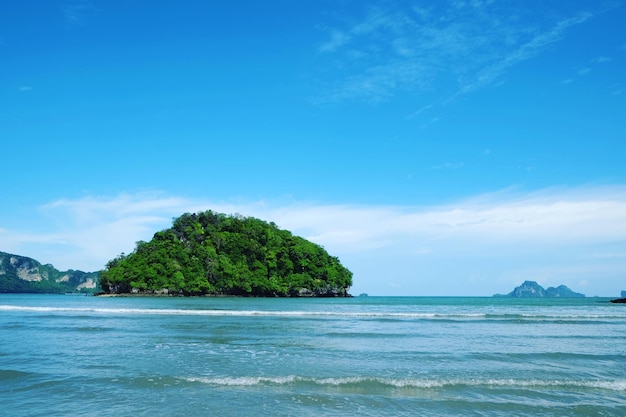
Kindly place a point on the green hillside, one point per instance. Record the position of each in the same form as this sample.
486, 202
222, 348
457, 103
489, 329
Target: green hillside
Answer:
212, 253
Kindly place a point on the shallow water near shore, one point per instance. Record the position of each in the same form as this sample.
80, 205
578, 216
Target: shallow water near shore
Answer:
367, 356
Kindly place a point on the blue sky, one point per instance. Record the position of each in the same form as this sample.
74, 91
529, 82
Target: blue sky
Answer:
438, 148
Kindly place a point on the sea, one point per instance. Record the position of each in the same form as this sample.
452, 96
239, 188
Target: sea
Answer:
68, 355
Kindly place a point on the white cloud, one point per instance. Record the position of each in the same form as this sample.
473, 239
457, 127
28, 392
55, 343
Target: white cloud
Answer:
502, 236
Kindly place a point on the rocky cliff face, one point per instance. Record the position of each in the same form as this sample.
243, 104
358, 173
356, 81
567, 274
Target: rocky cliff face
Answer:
21, 274
530, 289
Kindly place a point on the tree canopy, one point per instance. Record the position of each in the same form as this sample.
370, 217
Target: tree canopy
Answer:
213, 253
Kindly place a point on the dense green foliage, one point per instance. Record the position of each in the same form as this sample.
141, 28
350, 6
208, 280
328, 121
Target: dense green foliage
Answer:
211, 253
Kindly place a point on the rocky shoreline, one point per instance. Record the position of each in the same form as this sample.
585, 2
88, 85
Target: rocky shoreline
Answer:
303, 293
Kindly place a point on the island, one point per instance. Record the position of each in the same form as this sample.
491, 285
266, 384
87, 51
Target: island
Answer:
531, 289
210, 253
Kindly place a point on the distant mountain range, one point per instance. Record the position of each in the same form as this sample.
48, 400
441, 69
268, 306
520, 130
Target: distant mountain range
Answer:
530, 289
19, 274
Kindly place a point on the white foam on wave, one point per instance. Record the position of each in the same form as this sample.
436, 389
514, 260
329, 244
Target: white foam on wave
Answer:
244, 380
302, 313
241, 313
413, 383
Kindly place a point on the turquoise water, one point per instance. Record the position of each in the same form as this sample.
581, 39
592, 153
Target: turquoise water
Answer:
366, 356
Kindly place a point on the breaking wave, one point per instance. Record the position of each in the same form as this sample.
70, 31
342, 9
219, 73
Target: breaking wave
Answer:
409, 383
301, 313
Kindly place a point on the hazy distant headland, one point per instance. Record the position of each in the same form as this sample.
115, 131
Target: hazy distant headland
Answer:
20, 274
531, 289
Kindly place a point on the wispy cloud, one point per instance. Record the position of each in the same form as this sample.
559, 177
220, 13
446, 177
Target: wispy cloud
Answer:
337, 40
78, 12
528, 46
451, 47
602, 60
449, 165
587, 68
420, 111
617, 90
505, 235
25, 88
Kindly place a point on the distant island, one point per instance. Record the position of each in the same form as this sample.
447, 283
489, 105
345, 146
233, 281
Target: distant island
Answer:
217, 254
530, 289
20, 274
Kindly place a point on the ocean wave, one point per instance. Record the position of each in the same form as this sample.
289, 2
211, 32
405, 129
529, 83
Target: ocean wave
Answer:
303, 313
409, 383
10, 374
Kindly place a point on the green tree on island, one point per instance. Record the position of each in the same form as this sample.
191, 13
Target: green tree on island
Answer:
213, 253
